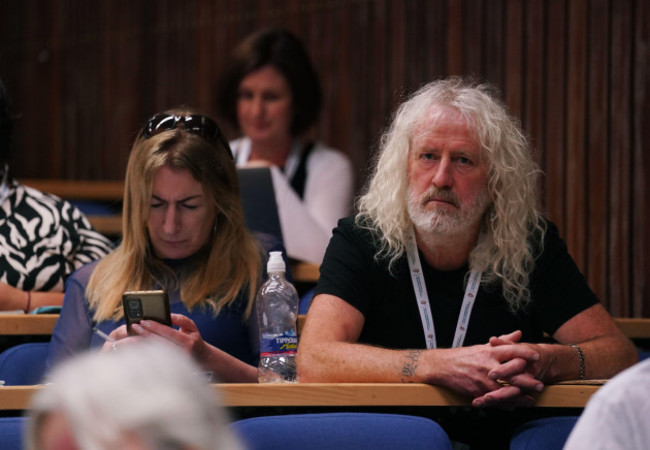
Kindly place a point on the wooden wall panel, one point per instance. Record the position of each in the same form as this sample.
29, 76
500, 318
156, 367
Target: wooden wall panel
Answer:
597, 147
554, 162
85, 75
641, 167
620, 242
576, 115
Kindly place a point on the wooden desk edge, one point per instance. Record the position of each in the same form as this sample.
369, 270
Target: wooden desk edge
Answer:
634, 327
110, 225
44, 324
16, 324
305, 272
380, 394
100, 190
339, 394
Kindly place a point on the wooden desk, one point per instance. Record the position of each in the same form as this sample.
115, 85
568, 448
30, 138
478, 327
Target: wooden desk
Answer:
107, 225
340, 394
305, 272
634, 328
44, 324
16, 324
99, 190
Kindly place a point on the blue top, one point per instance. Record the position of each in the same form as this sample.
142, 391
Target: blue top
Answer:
228, 330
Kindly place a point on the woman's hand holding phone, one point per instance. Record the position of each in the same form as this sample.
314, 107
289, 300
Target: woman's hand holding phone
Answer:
187, 336
145, 305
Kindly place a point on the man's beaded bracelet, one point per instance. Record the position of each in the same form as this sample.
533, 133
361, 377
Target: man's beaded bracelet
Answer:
582, 360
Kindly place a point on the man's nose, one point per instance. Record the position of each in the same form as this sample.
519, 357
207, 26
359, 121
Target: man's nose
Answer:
443, 176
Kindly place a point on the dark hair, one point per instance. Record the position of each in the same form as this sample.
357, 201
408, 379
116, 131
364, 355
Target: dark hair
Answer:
282, 50
6, 124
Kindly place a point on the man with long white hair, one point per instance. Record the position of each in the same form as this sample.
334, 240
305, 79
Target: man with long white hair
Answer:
449, 274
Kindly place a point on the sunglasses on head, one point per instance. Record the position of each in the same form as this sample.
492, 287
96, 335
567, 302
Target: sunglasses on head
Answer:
194, 123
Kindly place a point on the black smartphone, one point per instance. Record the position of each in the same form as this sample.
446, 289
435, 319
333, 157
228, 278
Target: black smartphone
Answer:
145, 305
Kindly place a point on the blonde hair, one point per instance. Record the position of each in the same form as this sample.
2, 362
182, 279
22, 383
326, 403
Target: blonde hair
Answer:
229, 262
512, 223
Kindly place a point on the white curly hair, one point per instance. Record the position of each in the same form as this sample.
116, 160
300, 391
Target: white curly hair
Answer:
505, 252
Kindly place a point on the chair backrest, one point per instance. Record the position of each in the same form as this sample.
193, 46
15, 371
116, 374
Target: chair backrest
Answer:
305, 301
11, 432
24, 364
341, 431
543, 434
258, 200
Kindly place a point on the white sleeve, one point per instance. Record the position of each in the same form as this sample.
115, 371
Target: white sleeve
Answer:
617, 415
329, 188
307, 224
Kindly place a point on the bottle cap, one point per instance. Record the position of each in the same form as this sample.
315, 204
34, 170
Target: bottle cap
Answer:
276, 263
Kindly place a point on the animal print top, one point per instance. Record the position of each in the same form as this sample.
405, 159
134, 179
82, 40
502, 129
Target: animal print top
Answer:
43, 239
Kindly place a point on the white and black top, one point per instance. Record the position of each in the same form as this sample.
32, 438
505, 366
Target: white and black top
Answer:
313, 191
43, 239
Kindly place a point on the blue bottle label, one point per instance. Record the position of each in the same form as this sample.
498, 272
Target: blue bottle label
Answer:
286, 343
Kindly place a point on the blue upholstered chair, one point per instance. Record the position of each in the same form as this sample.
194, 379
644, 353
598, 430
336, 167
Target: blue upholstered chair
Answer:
96, 208
11, 432
305, 301
341, 431
543, 434
23, 364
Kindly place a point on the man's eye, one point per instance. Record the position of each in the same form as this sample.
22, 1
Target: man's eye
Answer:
427, 156
464, 160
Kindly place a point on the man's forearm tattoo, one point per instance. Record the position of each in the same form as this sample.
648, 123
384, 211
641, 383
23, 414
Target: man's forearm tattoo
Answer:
410, 365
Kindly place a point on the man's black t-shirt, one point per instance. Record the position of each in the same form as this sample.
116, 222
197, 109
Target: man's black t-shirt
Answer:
387, 301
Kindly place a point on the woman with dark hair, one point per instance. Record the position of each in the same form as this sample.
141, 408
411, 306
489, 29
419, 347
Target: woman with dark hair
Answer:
183, 231
270, 91
43, 239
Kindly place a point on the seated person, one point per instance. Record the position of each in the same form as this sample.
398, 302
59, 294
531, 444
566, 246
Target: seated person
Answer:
183, 232
43, 238
270, 91
449, 274
150, 395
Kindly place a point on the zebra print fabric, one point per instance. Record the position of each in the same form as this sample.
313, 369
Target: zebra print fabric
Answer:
43, 239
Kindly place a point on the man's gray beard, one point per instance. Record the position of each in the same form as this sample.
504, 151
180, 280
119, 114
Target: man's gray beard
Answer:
446, 222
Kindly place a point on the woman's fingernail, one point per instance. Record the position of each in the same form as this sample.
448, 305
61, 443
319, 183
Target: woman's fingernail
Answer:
145, 323
137, 328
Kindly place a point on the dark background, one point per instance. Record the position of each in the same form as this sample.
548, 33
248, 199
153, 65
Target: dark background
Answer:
84, 75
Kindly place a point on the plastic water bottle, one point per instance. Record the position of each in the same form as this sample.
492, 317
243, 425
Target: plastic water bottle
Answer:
277, 302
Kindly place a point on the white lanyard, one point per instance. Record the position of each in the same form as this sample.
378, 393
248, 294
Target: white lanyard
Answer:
420, 288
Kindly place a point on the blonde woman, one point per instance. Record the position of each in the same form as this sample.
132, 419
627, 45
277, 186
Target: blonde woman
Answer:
184, 232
